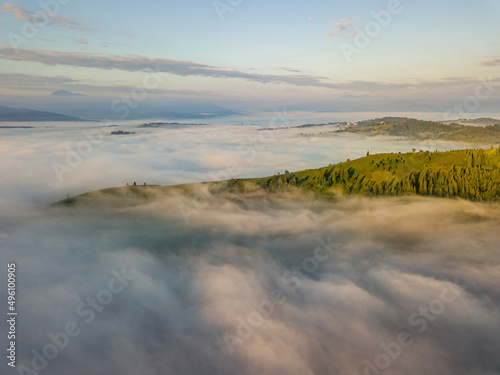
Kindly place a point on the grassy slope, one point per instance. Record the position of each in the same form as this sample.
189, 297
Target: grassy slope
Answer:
134, 195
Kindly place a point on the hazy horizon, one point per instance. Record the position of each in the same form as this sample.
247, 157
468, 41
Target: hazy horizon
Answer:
322, 52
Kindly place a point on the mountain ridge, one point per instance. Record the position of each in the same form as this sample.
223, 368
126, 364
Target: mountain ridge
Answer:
28, 115
66, 93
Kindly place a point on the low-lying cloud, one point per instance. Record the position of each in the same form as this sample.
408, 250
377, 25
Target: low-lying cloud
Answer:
193, 304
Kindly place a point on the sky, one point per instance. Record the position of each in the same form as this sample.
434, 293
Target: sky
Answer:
257, 52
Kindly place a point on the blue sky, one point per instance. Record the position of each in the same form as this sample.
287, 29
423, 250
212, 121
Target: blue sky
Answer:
429, 48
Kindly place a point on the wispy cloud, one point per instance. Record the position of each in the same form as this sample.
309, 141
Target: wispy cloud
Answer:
342, 28
81, 41
189, 68
107, 44
24, 15
70, 23
290, 70
162, 65
128, 34
37, 83
493, 61
18, 13
30, 81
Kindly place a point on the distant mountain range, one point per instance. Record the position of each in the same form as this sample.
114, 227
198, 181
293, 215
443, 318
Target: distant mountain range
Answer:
113, 108
24, 114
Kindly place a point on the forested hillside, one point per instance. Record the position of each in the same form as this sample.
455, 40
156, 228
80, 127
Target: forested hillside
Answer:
469, 174
472, 174
404, 127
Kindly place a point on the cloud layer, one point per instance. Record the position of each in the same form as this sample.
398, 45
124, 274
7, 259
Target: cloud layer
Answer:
161, 65
465, 86
194, 284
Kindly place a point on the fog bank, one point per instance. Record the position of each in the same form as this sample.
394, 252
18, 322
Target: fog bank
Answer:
268, 284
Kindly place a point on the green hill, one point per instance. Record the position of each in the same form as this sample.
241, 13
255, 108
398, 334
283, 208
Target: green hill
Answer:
468, 174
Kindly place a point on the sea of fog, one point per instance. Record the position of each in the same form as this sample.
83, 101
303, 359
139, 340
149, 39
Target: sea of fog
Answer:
46, 163
228, 284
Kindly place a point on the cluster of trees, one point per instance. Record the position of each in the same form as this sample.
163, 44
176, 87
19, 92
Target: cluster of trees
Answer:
407, 127
476, 183
483, 134
378, 121
468, 174
121, 132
